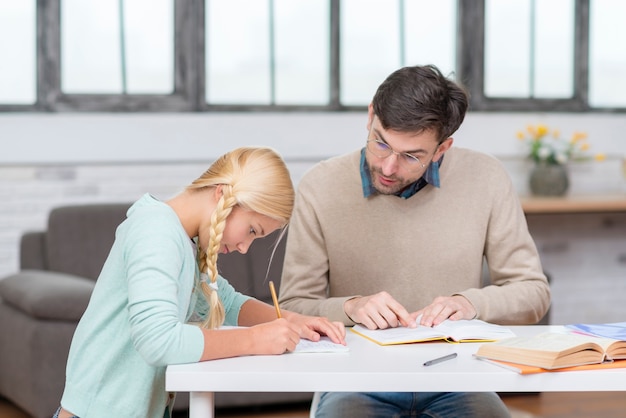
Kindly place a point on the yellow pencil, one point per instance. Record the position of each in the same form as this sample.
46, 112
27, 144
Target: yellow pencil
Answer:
275, 299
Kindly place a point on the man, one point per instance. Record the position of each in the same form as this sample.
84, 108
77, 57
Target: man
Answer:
400, 228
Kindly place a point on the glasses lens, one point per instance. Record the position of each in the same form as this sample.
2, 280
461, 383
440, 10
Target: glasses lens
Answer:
382, 150
378, 148
410, 162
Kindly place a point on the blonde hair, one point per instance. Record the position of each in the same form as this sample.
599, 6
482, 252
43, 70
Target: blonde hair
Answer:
254, 178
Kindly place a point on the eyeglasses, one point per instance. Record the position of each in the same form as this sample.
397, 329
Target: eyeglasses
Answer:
382, 150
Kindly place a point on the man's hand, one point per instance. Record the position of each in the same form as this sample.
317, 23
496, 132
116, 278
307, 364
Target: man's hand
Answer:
446, 307
378, 311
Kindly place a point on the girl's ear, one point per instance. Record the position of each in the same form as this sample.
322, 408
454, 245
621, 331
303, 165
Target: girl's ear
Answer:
218, 192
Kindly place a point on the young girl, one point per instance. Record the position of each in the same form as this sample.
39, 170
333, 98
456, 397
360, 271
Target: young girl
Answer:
161, 270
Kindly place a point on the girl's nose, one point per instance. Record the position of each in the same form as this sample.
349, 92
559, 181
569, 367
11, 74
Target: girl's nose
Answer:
243, 246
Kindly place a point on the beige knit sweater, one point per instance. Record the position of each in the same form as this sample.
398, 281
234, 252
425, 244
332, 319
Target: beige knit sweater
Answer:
341, 244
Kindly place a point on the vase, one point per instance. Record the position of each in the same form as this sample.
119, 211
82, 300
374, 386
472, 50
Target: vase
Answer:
549, 179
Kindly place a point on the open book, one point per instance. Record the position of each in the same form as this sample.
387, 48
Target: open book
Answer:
473, 330
553, 350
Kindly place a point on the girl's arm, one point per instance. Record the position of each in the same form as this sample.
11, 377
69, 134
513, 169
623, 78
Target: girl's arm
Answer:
309, 327
274, 337
263, 333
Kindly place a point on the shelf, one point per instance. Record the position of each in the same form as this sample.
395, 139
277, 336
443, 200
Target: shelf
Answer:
535, 205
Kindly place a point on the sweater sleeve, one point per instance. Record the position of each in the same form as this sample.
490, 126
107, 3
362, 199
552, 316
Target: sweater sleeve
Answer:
305, 276
519, 292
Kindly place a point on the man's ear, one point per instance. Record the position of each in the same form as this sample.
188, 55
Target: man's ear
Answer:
442, 148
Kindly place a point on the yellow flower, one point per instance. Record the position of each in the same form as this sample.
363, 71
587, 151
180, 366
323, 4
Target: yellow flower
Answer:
599, 157
542, 130
578, 136
554, 149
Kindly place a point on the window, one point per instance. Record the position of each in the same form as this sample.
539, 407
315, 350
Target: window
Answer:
112, 48
213, 55
529, 49
18, 72
267, 52
607, 54
379, 36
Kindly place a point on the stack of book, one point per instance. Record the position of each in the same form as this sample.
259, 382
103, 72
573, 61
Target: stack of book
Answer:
582, 347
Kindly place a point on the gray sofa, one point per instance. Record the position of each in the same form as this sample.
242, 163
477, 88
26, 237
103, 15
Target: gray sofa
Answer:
41, 304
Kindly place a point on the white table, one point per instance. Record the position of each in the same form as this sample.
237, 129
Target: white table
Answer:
370, 367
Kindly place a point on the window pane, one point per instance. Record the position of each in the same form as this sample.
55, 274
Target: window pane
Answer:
507, 46
90, 56
554, 47
379, 36
607, 54
529, 48
370, 47
149, 46
91, 49
430, 33
18, 77
302, 51
237, 52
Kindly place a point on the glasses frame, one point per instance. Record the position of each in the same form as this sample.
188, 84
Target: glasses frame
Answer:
403, 162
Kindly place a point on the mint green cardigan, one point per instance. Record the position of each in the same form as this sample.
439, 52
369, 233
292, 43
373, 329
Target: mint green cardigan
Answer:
135, 325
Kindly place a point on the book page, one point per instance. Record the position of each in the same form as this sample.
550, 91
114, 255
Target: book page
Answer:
474, 330
547, 350
399, 335
324, 345
615, 332
462, 330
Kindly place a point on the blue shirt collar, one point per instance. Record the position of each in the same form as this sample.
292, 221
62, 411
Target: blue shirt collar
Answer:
431, 176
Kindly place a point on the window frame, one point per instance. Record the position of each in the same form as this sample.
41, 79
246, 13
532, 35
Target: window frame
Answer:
188, 43
189, 69
470, 64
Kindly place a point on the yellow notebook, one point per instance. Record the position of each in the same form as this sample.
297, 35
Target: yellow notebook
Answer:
473, 330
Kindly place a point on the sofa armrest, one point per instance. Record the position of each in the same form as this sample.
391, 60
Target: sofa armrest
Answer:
47, 295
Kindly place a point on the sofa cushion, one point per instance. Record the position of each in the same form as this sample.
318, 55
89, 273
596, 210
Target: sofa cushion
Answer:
47, 295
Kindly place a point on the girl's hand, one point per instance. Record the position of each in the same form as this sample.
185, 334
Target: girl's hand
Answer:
312, 327
275, 337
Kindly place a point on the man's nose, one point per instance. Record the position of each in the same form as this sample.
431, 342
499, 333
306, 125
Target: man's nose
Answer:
390, 164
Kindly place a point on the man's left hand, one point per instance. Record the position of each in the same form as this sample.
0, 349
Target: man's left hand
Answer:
446, 307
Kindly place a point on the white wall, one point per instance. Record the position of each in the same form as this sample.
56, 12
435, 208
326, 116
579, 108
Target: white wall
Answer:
88, 137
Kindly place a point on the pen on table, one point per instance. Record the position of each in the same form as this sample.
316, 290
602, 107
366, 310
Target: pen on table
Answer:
275, 299
440, 359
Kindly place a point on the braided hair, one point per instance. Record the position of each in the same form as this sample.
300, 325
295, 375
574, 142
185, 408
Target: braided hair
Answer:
253, 178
